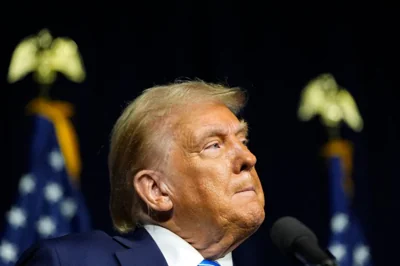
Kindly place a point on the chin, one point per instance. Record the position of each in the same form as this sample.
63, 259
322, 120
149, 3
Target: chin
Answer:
252, 217
249, 222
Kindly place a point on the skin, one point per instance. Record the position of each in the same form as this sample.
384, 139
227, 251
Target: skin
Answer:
209, 194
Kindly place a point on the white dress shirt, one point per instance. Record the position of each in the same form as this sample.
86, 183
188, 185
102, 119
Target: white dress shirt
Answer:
178, 252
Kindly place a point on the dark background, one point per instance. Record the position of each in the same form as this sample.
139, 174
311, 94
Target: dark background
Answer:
269, 49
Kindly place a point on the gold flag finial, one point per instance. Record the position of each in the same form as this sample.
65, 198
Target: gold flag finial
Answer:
323, 97
44, 56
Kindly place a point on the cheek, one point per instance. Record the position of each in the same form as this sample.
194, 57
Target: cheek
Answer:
211, 182
199, 181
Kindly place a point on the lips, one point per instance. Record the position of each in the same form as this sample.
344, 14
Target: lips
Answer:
250, 188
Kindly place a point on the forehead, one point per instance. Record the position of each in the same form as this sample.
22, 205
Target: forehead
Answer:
199, 119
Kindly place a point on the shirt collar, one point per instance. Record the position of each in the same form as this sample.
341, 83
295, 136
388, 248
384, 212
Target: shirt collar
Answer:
177, 251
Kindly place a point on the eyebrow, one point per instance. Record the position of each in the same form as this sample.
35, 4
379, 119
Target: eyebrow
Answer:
219, 131
243, 128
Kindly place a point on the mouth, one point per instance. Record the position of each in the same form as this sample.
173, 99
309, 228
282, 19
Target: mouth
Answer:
247, 189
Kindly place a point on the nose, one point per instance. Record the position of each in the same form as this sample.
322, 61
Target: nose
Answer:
245, 160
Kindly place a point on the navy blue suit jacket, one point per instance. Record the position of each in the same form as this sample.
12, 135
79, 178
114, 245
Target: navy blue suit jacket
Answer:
95, 248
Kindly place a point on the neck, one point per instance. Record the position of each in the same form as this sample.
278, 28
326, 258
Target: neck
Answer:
210, 243
218, 250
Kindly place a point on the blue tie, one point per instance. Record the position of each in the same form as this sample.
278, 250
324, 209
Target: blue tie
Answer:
208, 262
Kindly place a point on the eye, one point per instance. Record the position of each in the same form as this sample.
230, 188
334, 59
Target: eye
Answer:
214, 145
245, 142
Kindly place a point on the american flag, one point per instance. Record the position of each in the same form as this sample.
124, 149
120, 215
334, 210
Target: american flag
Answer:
48, 204
347, 242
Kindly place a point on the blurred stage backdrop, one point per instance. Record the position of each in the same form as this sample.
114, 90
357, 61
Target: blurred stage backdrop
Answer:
272, 51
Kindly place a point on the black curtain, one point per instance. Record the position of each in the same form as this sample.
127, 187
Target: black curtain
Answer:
271, 50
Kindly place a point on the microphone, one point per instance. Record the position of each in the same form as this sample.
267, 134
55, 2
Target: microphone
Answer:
297, 241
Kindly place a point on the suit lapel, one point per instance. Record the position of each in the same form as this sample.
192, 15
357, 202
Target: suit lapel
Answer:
141, 250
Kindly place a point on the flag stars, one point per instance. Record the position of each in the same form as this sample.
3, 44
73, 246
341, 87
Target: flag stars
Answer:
56, 160
8, 252
16, 217
338, 250
53, 192
68, 208
27, 184
46, 226
361, 255
45, 204
339, 222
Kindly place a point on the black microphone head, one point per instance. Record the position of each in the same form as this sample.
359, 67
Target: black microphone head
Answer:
296, 240
287, 230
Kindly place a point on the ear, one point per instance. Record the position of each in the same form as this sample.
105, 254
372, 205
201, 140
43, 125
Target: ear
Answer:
151, 189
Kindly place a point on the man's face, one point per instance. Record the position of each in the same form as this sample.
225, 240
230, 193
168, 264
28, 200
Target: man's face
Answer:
212, 178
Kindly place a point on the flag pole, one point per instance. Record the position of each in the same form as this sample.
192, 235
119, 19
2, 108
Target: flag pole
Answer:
45, 56
334, 106
48, 201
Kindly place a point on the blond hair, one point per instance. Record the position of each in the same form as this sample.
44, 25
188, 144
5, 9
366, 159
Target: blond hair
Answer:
138, 134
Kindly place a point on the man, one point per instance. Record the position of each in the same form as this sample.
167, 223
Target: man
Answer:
184, 189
